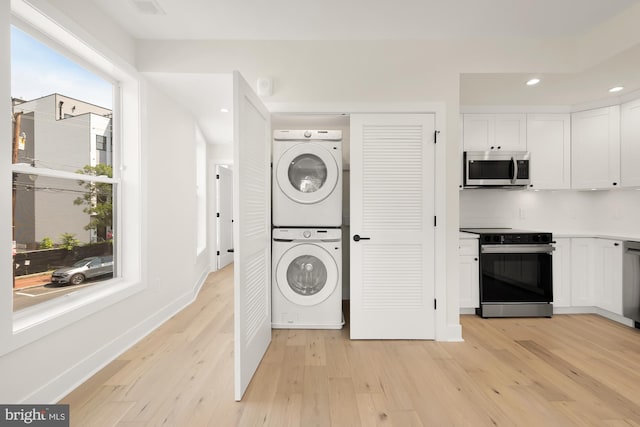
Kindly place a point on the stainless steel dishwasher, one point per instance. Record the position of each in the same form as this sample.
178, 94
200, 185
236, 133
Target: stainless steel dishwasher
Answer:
631, 282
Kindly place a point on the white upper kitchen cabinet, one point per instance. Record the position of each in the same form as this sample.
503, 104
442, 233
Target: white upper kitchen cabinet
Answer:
630, 144
562, 273
549, 142
607, 268
486, 132
595, 148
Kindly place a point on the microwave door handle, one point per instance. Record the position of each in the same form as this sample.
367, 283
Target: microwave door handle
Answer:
515, 170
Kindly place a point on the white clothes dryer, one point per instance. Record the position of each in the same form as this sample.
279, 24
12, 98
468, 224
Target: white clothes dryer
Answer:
307, 286
307, 178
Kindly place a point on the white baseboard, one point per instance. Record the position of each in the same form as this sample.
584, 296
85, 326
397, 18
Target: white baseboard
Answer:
454, 333
57, 388
594, 310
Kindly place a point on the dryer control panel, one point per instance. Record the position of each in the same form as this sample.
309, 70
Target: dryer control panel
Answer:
307, 234
302, 135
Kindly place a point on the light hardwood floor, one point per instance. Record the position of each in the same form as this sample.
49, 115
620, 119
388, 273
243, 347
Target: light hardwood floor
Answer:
570, 370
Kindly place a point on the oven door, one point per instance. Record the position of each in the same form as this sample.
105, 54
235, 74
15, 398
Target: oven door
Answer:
516, 274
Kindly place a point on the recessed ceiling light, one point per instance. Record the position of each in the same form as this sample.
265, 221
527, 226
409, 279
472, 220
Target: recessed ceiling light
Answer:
616, 89
224, 110
533, 82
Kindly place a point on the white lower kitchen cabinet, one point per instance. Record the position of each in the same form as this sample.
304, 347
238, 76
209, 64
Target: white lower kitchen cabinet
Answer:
596, 274
562, 273
582, 283
607, 269
469, 274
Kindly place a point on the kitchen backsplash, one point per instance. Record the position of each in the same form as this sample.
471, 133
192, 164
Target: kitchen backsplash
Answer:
613, 211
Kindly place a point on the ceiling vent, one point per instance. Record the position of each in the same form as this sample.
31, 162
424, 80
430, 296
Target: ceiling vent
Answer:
148, 7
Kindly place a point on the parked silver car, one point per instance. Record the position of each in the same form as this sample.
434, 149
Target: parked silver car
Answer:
86, 268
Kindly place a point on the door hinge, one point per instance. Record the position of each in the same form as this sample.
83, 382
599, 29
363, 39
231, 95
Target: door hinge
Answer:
217, 214
217, 176
217, 252
435, 136
435, 304
435, 221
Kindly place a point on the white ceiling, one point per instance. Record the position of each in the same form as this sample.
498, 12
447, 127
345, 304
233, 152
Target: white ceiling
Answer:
378, 20
361, 19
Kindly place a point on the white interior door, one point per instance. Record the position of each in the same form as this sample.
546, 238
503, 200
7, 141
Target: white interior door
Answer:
251, 232
224, 215
392, 226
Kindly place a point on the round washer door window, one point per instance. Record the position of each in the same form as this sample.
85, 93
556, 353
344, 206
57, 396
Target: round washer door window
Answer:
307, 173
307, 274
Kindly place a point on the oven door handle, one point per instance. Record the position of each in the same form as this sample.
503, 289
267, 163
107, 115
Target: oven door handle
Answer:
517, 249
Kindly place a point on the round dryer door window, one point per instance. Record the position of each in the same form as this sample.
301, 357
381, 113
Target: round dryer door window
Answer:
307, 173
307, 274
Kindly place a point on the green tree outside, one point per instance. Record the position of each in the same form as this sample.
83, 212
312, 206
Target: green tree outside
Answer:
97, 200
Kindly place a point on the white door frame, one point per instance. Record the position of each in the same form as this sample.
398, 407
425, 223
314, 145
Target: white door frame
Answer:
447, 315
223, 257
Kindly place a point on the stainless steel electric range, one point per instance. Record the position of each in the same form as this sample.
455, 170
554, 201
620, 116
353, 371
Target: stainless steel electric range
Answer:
516, 277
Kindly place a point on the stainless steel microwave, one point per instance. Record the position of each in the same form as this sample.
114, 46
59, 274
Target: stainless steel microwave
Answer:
496, 168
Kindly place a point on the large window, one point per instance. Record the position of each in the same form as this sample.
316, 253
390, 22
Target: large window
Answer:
63, 185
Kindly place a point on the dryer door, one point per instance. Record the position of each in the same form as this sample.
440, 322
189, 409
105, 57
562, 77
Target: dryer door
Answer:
307, 274
307, 173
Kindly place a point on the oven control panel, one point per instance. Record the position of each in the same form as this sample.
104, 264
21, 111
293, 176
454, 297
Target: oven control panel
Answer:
515, 238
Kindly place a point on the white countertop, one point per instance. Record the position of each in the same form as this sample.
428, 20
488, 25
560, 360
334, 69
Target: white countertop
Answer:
599, 235
569, 234
465, 235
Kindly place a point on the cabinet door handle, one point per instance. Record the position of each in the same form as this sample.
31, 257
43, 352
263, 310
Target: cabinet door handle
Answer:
616, 244
615, 183
475, 259
357, 238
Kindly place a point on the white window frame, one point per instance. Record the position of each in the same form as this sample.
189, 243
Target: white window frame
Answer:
32, 323
201, 192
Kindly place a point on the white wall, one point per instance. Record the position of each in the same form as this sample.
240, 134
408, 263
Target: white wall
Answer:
68, 351
613, 212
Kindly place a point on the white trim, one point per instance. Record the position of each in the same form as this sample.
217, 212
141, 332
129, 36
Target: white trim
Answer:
510, 109
48, 20
355, 107
444, 331
29, 325
594, 310
79, 372
53, 173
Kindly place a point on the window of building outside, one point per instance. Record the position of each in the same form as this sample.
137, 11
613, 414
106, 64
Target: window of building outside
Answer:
63, 187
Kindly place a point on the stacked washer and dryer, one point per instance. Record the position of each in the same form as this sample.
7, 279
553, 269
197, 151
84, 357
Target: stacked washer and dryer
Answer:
307, 238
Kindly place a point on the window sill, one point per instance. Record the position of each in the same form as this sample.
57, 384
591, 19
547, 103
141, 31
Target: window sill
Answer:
33, 323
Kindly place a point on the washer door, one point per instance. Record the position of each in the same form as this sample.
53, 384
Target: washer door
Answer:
307, 274
307, 173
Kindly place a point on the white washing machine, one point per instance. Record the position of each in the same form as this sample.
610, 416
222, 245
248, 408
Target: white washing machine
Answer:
307, 178
307, 286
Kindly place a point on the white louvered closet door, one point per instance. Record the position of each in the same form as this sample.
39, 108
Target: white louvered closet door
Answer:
251, 232
392, 226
